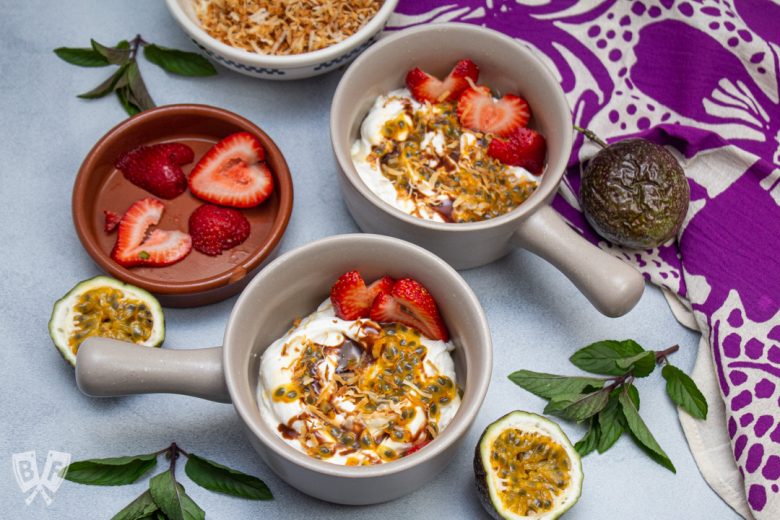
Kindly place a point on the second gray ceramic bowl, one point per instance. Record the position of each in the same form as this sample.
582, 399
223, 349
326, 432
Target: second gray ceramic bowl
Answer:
507, 67
293, 286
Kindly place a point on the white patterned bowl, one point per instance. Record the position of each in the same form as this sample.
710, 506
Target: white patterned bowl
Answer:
280, 68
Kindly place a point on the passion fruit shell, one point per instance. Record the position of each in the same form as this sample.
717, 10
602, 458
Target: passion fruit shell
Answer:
105, 307
526, 467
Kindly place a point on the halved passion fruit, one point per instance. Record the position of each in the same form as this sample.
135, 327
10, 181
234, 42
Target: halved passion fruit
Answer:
105, 307
526, 467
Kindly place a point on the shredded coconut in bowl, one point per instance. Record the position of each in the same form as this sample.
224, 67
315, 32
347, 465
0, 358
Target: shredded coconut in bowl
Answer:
284, 27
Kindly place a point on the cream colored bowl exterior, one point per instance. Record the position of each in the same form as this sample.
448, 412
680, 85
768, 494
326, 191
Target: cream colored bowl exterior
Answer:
292, 286
280, 68
508, 67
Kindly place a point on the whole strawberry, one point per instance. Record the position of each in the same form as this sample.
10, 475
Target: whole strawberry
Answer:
215, 229
157, 168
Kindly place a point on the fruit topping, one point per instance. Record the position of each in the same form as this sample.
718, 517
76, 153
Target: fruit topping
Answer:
478, 111
111, 220
215, 229
135, 246
410, 303
526, 467
524, 147
352, 299
108, 308
232, 173
425, 87
157, 168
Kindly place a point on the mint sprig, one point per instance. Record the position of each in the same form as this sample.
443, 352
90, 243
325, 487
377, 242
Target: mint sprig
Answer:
126, 81
611, 405
166, 497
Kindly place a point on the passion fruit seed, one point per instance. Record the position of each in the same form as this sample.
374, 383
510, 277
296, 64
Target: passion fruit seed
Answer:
107, 312
533, 469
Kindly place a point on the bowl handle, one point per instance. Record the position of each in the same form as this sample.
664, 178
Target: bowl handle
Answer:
108, 367
612, 286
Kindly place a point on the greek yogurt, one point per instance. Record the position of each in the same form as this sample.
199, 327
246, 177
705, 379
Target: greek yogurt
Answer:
356, 392
433, 156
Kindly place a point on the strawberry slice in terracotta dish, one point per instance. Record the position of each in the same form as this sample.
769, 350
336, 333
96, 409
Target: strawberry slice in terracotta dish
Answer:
136, 245
233, 173
425, 87
157, 168
215, 229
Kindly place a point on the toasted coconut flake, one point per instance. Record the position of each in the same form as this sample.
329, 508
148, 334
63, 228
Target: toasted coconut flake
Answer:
283, 27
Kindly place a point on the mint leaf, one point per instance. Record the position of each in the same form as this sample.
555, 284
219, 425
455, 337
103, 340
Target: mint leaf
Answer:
169, 495
140, 508
577, 407
548, 386
684, 392
109, 85
123, 95
219, 478
137, 93
641, 364
642, 434
590, 440
113, 55
81, 57
114, 471
601, 357
179, 62
609, 425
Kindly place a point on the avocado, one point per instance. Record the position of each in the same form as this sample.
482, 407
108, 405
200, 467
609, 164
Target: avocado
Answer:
634, 193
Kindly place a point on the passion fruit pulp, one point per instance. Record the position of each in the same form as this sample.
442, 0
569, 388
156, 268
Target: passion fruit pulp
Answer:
108, 308
526, 467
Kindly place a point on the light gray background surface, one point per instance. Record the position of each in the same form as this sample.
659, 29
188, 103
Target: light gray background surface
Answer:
537, 317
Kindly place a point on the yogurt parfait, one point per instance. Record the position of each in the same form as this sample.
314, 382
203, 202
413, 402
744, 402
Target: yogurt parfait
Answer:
366, 379
449, 150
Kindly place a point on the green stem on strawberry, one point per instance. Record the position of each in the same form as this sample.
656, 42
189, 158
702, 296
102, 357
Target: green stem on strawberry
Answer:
591, 136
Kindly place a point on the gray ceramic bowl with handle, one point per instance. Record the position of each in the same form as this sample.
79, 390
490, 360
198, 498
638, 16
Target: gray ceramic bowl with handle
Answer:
293, 286
507, 67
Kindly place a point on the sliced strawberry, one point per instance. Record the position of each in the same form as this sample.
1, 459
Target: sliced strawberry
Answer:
352, 299
478, 110
232, 173
525, 147
157, 168
111, 220
215, 229
410, 303
417, 447
162, 247
425, 87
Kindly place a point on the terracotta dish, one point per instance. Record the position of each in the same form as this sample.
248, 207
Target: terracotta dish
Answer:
198, 279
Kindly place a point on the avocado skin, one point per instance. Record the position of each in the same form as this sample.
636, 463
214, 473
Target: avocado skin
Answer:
634, 193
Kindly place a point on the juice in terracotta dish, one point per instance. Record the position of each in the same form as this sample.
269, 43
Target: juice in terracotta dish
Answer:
449, 150
366, 379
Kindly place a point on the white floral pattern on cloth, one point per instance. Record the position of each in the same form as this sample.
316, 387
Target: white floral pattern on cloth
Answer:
700, 76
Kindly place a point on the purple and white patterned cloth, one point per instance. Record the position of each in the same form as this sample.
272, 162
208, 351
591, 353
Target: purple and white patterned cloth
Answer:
701, 77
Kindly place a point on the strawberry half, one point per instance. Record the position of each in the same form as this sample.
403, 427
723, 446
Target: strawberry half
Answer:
157, 168
525, 147
410, 303
215, 229
352, 299
111, 221
232, 173
478, 111
425, 87
161, 247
